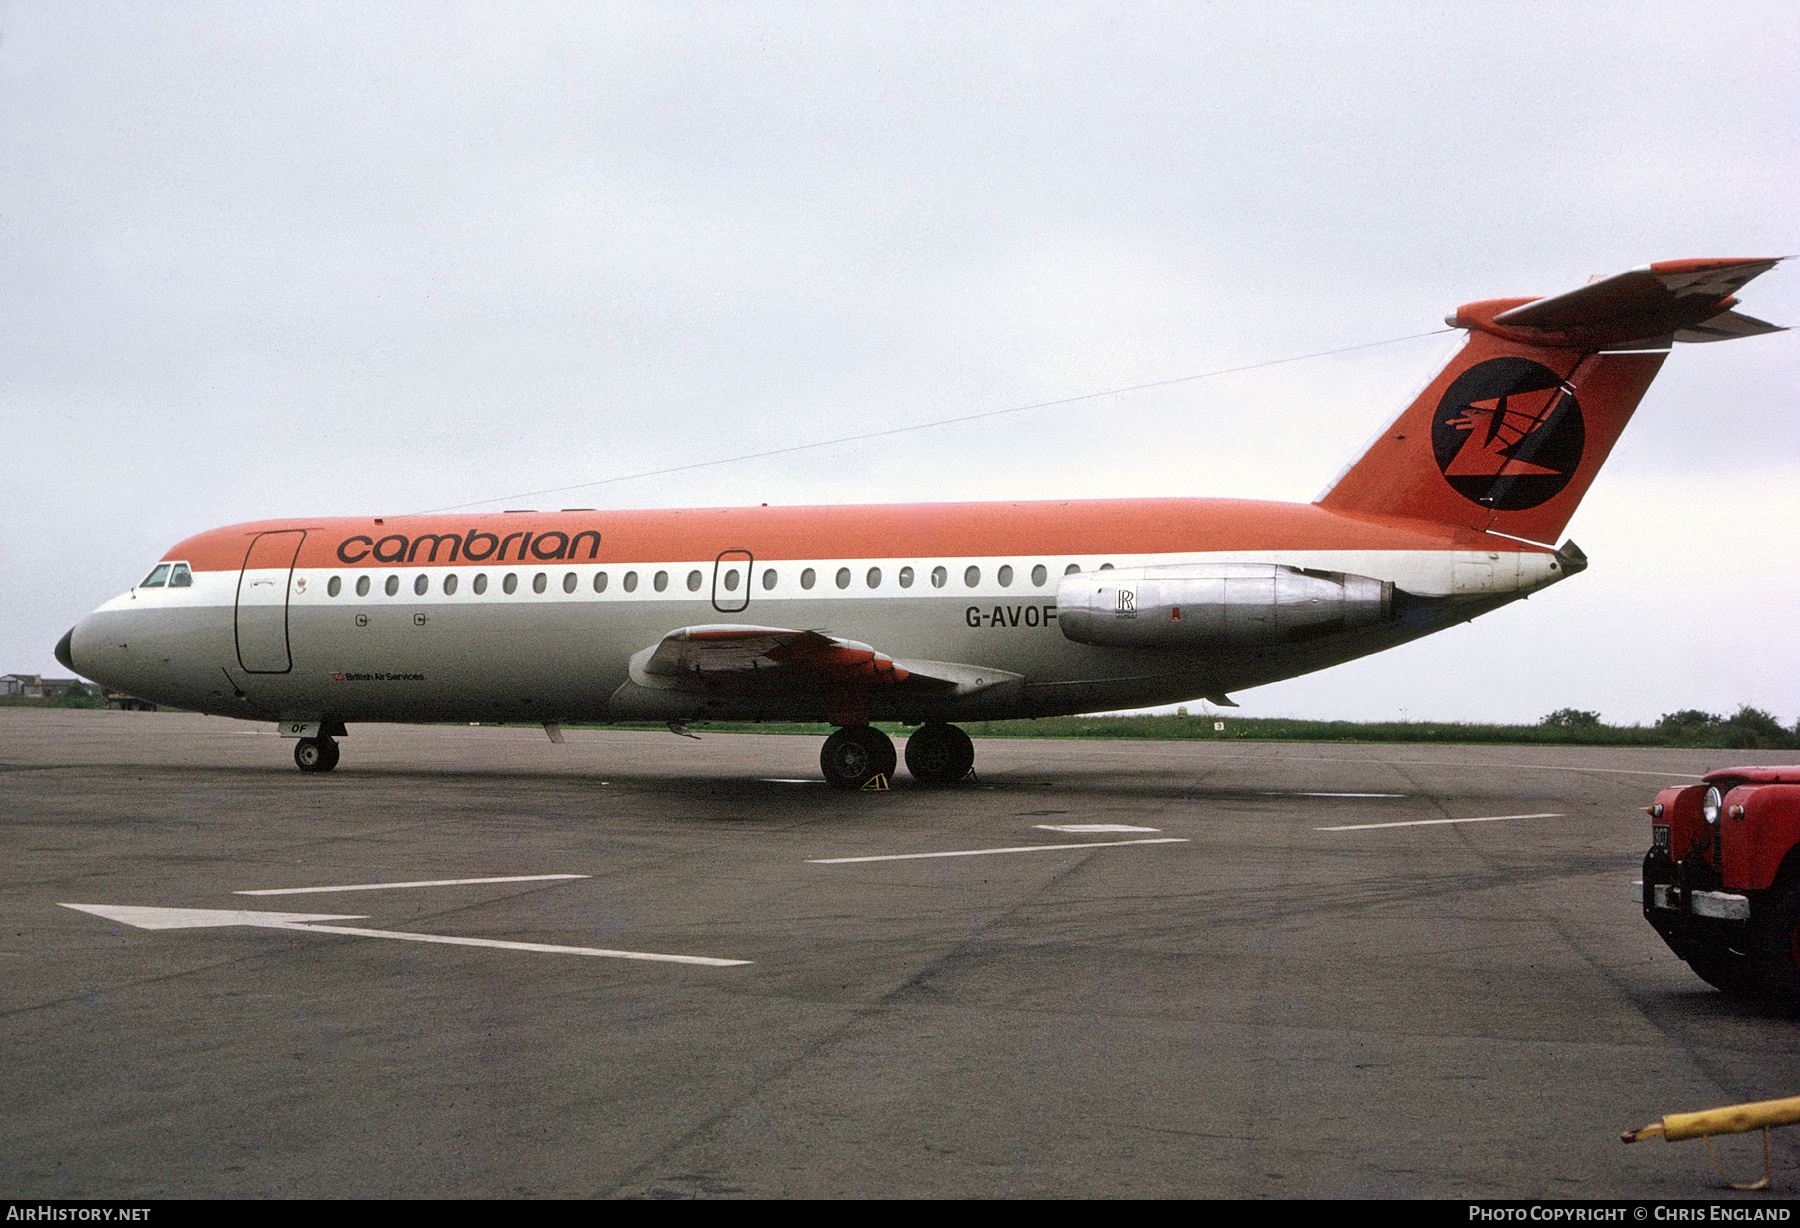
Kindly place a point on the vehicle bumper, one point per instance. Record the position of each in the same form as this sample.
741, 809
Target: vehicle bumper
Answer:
1719, 905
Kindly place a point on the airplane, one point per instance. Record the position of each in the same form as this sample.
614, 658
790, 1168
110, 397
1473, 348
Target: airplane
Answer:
924, 614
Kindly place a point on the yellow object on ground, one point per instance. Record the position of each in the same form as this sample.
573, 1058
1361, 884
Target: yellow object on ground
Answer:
1732, 1119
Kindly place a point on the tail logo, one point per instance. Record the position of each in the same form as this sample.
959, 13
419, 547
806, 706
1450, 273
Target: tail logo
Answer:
1508, 434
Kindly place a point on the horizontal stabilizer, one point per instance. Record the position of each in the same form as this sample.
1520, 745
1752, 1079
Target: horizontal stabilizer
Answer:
1726, 326
1675, 300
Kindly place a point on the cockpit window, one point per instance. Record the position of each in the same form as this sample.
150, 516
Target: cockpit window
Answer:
181, 577
157, 578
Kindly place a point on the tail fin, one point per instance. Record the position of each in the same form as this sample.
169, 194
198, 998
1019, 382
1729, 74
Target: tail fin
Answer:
1509, 436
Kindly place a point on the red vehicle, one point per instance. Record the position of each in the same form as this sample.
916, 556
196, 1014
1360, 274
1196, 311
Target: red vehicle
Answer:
1722, 878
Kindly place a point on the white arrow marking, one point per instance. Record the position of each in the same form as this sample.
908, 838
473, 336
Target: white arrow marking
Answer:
432, 882
195, 918
198, 918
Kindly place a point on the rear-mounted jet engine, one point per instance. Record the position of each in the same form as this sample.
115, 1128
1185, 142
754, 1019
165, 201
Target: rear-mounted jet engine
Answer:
1236, 605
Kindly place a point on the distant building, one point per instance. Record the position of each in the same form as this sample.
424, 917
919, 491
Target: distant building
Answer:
36, 686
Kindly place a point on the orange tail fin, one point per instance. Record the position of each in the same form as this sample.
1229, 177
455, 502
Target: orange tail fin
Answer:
1509, 436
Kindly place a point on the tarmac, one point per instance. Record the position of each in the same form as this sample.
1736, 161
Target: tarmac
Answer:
1100, 969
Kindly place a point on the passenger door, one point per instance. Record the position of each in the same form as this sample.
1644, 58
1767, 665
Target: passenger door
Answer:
262, 602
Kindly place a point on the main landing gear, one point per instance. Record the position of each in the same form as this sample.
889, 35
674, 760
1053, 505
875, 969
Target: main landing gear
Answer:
939, 754
856, 754
936, 754
315, 754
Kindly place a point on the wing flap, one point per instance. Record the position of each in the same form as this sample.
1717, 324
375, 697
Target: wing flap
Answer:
745, 660
725, 654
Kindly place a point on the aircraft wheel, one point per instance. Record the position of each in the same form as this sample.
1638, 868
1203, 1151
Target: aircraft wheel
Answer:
939, 754
855, 755
315, 754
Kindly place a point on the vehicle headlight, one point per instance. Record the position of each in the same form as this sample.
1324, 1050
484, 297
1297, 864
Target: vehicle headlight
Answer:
1709, 808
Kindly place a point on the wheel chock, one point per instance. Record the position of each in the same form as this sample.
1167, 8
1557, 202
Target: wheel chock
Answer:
878, 783
1732, 1119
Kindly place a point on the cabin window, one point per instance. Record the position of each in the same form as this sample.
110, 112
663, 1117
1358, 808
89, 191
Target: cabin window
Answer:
731, 579
1005, 576
599, 581
874, 577
540, 582
631, 581
1106, 567
939, 577
393, 585
422, 585
334, 586
906, 577
1039, 575
570, 581
694, 581
181, 577
480, 583
511, 583
768, 579
972, 577
843, 577
1071, 569
807, 578
157, 578
362, 586
661, 581
449, 584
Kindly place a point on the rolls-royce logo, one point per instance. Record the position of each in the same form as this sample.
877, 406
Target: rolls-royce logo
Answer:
1126, 606
1508, 434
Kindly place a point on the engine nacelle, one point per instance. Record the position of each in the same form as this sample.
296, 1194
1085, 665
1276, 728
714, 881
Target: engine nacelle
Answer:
1217, 605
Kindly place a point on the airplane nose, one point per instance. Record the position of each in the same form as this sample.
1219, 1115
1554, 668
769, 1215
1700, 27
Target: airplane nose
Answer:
62, 651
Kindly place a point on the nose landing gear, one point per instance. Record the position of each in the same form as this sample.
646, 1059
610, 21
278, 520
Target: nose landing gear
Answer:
315, 754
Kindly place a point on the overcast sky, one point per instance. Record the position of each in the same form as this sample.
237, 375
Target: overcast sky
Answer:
267, 260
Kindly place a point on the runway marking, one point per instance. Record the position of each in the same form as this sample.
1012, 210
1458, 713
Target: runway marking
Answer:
197, 918
1493, 818
1085, 829
1024, 848
1156, 752
1279, 793
432, 882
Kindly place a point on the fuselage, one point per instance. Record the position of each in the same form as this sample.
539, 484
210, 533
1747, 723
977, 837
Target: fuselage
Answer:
536, 616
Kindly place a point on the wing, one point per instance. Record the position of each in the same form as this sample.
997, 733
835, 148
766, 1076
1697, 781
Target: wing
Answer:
742, 660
